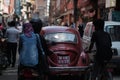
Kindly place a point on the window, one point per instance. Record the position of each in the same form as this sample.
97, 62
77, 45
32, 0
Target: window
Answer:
114, 32
61, 37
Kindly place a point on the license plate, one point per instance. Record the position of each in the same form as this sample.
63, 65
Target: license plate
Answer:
63, 59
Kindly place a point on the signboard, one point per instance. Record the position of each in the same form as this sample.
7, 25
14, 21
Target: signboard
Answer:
116, 15
7, 2
110, 3
17, 7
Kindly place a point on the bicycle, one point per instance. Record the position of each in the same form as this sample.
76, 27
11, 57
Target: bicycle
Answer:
3, 56
103, 71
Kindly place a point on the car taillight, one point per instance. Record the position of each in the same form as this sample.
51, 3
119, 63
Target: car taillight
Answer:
27, 73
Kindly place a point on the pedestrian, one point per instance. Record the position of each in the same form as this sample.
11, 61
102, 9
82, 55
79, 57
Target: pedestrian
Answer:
66, 23
36, 22
81, 27
72, 24
1, 33
62, 24
27, 45
12, 36
37, 26
103, 46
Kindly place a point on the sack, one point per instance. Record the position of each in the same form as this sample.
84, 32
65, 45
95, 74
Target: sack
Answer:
108, 55
105, 54
29, 58
43, 63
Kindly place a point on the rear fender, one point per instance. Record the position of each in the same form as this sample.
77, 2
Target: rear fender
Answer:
83, 59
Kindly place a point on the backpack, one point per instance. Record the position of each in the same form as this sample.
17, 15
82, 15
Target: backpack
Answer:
29, 59
108, 55
43, 63
103, 40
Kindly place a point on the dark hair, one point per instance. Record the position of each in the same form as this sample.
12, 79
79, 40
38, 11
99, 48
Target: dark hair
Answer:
12, 23
37, 25
9, 23
99, 24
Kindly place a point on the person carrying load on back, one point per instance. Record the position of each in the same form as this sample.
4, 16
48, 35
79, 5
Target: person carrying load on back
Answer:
37, 25
29, 43
103, 44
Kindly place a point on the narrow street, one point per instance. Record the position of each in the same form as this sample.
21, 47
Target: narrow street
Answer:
11, 74
66, 25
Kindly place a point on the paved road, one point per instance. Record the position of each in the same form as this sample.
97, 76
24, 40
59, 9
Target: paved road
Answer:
11, 74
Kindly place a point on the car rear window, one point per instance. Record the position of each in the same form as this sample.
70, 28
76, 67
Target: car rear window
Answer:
61, 37
114, 32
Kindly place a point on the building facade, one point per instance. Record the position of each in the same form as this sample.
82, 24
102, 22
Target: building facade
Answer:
41, 7
61, 9
86, 9
6, 7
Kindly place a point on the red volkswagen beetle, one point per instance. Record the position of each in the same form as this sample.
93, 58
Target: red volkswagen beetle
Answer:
69, 58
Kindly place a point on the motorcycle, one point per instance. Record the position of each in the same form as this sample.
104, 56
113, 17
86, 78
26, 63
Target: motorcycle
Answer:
104, 71
28, 73
3, 62
3, 57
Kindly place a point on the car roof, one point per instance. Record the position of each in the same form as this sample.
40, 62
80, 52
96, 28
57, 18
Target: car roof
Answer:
108, 23
50, 29
112, 23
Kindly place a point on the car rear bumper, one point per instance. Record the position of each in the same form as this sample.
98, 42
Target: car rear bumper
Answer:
69, 69
115, 60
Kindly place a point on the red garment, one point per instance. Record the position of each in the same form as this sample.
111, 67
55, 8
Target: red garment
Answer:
1, 27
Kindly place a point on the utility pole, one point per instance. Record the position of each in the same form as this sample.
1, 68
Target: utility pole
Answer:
17, 7
95, 3
75, 10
